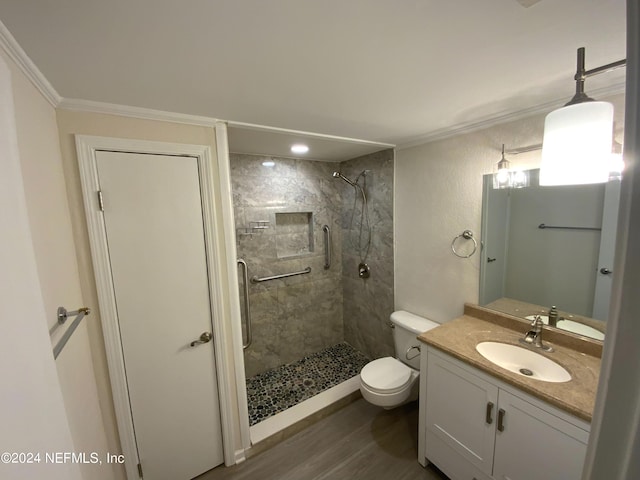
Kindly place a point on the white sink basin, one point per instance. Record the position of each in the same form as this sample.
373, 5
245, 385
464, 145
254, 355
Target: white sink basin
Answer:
523, 362
571, 326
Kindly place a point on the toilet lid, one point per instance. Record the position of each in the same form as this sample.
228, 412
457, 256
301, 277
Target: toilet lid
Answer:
386, 375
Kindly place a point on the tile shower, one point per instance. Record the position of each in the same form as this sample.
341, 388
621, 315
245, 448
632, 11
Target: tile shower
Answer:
311, 331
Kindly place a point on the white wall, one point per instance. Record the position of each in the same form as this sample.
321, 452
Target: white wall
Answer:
32, 412
54, 249
614, 445
438, 195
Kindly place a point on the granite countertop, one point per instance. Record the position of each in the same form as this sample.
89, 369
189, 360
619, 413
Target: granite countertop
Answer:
577, 396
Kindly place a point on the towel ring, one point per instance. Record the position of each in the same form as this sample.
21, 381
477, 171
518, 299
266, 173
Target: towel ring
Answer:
467, 235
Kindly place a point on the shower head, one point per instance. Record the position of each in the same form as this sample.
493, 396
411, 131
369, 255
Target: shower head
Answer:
339, 175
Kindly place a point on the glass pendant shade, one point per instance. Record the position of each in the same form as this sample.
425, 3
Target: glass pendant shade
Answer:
576, 147
502, 179
520, 179
502, 173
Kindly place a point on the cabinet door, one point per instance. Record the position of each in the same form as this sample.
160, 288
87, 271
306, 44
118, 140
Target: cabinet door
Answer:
532, 444
461, 412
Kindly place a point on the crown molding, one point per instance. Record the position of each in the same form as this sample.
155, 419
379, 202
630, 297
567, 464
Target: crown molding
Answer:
500, 118
26, 66
79, 105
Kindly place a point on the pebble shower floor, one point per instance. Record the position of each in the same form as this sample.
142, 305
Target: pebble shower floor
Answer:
282, 387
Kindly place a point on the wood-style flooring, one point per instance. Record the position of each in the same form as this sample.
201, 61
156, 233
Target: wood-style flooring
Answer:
360, 441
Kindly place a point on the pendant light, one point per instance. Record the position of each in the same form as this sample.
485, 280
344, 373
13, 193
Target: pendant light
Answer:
502, 174
505, 177
577, 142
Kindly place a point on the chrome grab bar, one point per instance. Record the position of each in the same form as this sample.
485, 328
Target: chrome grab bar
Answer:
255, 279
247, 308
327, 246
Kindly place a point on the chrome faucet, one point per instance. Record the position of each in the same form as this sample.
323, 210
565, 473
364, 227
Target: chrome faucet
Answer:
533, 337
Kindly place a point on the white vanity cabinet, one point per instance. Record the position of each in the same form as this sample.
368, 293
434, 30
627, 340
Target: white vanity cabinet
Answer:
475, 426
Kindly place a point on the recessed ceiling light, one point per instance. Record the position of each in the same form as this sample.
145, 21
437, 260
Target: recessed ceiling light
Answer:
268, 163
299, 148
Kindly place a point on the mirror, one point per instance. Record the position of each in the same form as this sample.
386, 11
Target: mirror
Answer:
550, 246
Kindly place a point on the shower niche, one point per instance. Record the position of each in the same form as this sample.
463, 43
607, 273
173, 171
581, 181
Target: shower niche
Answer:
294, 234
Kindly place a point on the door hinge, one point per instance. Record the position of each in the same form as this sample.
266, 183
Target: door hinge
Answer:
100, 200
140, 470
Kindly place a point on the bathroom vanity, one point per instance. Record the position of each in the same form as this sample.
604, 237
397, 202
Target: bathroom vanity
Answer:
481, 421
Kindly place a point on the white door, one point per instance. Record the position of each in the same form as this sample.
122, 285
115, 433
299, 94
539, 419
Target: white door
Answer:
604, 280
532, 444
154, 227
495, 235
461, 409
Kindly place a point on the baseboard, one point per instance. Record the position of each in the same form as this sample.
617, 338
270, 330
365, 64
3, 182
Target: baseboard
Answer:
239, 456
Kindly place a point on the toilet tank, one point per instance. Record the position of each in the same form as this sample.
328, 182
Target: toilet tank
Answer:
407, 327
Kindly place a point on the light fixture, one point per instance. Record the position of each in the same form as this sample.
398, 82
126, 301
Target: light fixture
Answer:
576, 147
505, 177
299, 148
519, 179
502, 175
268, 163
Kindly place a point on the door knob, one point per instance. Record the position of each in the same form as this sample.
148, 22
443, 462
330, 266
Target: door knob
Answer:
605, 271
204, 338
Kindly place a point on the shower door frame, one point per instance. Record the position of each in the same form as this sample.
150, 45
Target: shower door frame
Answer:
226, 194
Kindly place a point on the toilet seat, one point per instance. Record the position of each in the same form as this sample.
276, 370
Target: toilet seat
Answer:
386, 375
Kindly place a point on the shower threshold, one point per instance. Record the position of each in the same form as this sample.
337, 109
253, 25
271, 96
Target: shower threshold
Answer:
305, 409
285, 395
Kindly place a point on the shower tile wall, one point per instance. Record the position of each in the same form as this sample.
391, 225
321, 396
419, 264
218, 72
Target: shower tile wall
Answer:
300, 315
369, 302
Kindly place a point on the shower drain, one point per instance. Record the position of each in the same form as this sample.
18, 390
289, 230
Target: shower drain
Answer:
526, 371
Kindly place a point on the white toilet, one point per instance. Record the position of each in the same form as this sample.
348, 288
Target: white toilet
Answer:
389, 382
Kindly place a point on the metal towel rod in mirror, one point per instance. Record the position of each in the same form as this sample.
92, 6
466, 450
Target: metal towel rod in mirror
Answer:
467, 235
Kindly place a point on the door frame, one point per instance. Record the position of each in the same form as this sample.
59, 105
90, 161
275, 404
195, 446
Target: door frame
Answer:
86, 147
604, 282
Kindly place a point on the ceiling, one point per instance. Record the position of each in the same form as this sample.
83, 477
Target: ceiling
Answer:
255, 140
390, 71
